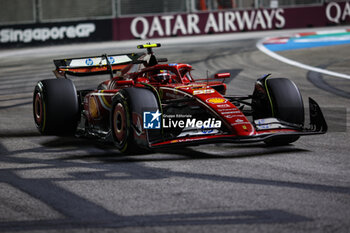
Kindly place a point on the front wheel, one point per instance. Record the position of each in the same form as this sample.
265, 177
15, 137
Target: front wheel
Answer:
282, 100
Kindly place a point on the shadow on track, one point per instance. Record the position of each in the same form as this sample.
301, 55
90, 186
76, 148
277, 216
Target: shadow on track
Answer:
79, 212
111, 154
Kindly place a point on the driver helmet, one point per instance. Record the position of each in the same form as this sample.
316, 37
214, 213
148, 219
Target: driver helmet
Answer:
162, 76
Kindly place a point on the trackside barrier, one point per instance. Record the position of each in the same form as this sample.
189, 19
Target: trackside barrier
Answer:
169, 25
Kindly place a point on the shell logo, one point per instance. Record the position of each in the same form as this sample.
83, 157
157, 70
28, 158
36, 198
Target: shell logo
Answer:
216, 100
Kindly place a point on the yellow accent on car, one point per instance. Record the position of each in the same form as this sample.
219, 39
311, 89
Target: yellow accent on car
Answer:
216, 100
105, 101
93, 107
145, 46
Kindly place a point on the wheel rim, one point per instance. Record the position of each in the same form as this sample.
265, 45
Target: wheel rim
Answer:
38, 109
119, 123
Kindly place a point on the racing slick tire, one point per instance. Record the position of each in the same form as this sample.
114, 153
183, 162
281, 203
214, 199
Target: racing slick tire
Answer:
286, 105
127, 104
56, 107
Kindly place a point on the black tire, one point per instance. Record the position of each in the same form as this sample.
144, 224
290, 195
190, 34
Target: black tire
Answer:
125, 103
55, 107
286, 105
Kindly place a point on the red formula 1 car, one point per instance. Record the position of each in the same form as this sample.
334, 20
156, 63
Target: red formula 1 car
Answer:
147, 105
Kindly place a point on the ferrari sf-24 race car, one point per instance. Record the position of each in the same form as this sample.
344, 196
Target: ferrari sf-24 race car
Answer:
148, 104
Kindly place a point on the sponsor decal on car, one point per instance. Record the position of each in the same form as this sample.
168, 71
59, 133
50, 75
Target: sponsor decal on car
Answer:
216, 100
189, 86
268, 123
206, 131
111, 60
231, 112
229, 116
100, 61
239, 122
203, 91
89, 62
226, 107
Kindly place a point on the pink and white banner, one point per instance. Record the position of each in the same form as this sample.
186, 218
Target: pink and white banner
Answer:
333, 13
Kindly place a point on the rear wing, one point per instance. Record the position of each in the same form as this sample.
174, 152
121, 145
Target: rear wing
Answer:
104, 64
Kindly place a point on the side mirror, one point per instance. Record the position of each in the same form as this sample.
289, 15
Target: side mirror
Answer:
222, 75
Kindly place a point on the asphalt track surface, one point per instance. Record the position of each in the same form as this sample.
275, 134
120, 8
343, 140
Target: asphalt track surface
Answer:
52, 184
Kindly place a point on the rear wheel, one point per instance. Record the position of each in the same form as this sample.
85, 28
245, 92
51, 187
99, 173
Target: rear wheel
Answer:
285, 103
55, 107
121, 124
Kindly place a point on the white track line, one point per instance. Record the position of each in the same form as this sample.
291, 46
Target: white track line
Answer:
274, 55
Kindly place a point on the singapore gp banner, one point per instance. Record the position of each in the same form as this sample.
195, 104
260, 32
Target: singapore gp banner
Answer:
143, 27
55, 33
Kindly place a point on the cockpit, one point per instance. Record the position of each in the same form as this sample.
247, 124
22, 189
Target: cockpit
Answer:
168, 74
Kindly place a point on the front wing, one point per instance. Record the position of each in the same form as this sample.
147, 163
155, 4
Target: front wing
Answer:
317, 125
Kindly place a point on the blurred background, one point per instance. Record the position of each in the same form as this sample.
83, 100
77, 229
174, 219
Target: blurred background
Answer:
39, 22
34, 11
